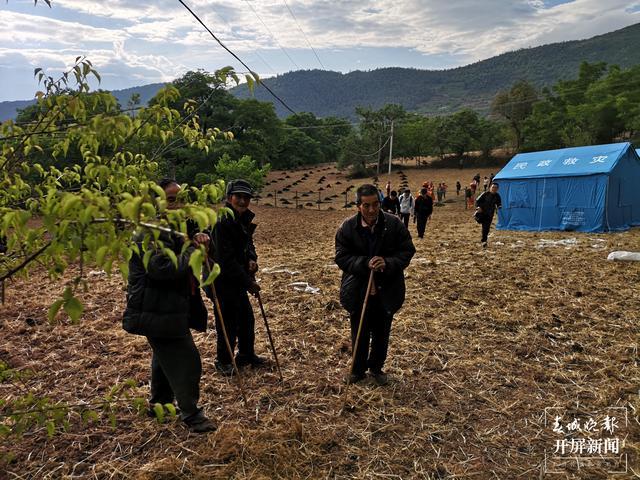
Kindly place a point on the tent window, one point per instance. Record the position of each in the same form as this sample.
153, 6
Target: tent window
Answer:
577, 192
519, 196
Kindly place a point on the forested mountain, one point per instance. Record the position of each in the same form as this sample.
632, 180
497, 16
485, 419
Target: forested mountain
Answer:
444, 91
147, 92
327, 93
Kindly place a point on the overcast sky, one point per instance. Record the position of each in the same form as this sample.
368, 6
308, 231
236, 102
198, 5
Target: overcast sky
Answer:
136, 42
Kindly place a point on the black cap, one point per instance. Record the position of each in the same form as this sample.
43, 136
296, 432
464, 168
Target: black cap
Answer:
239, 186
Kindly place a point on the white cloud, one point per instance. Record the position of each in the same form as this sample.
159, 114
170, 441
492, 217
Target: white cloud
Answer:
161, 39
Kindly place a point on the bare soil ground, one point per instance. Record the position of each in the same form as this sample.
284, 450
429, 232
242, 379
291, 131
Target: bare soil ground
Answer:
486, 341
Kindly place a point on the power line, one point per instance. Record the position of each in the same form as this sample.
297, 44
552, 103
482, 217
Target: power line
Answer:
271, 34
235, 56
255, 52
303, 34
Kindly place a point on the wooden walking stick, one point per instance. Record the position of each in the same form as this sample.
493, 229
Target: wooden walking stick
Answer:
266, 324
355, 346
226, 337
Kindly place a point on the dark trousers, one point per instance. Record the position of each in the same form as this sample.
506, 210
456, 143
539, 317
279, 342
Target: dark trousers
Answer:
175, 373
486, 225
239, 323
421, 224
405, 218
374, 337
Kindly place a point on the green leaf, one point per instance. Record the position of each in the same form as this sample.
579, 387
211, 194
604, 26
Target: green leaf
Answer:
195, 262
53, 309
215, 271
146, 258
101, 253
51, 428
74, 309
159, 411
169, 253
171, 409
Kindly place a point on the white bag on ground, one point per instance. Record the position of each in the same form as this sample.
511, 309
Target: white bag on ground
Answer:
623, 256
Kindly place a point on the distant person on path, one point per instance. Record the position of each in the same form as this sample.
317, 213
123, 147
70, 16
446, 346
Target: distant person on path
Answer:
458, 188
491, 178
444, 190
476, 178
486, 204
388, 187
485, 183
162, 304
391, 204
422, 211
468, 198
406, 206
439, 192
372, 240
234, 251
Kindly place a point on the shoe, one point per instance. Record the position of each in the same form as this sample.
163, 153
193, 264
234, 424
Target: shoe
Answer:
253, 360
484, 244
380, 378
354, 378
201, 425
225, 369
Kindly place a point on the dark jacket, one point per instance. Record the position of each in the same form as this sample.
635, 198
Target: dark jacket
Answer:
232, 247
164, 301
390, 205
392, 241
423, 206
489, 202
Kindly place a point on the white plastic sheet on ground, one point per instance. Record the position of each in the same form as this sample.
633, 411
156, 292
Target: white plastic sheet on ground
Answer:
622, 256
565, 242
279, 269
304, 287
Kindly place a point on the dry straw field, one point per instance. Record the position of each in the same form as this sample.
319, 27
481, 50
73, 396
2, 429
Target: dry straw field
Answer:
487, 341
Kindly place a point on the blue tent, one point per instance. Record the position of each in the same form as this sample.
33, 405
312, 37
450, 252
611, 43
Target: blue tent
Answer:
586, 189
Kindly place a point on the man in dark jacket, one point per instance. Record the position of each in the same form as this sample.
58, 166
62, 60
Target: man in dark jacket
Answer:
234, 251
423, 208
163, 302
372, 240
486, 204
391, 204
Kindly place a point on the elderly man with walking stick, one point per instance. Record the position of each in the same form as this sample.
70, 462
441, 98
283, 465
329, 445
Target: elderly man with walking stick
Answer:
234, 251
372, 249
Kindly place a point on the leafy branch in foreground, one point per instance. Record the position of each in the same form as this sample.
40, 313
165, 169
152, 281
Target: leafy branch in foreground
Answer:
98, 205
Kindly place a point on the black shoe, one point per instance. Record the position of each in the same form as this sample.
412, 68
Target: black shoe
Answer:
201, 425
380, 378
225, 369
253, 360
354, 378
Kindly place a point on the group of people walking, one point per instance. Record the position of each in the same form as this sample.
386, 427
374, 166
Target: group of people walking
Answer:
372, 248
164, 301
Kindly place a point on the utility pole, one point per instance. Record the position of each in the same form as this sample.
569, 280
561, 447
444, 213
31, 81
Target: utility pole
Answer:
391, 148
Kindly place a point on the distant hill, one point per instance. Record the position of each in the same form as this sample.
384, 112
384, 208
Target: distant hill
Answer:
147, 92
328, 93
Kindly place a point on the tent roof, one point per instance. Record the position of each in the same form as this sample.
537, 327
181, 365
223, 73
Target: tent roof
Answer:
565, 162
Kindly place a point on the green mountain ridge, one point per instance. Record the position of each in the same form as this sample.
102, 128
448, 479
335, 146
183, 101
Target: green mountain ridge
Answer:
10, 109
327, 93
